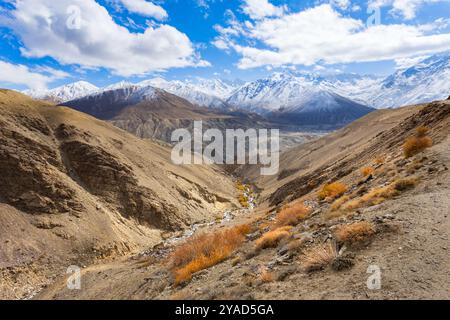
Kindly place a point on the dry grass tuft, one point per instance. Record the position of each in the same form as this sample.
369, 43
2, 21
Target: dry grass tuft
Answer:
319, 257
332, 191
339, 202
271, 239
377, 195
205, 250
405, 184
422, 131
417, 144
367, 171
355, 232
292, 215
372, 198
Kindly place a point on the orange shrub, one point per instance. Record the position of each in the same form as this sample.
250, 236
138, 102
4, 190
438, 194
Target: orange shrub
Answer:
319, 257
355, 232
339, 202
422, 131
204, 251
373, 197
405, 184
292, 215
332, 190
417, 144
367, 171
271, 239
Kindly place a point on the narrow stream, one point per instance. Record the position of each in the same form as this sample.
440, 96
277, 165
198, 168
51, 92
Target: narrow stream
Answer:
166, 246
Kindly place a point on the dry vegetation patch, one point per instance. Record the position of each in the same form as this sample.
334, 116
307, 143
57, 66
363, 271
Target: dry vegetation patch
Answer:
405, 184
272, 238
367, 171
332, 190
319, 257
339, 202
355, 233
206, 250
292, 215
418, 143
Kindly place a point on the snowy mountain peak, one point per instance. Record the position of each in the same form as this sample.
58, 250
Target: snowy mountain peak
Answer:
64, 93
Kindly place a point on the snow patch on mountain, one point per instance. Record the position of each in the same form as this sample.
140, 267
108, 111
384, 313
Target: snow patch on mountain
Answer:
203, 92
64, 93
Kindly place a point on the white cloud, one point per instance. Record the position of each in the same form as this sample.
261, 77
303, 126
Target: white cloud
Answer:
321, 34
258, 9
404, 63
82, 32
405, 8
145, 8
22, 75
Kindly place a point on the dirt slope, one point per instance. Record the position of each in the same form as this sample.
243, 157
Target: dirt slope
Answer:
395, 219
75, 189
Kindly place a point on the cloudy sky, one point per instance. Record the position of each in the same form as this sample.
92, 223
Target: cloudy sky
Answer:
46, 43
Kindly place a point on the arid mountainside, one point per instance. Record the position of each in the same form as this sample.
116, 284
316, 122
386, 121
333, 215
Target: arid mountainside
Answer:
75, 189
359, 214
153, 113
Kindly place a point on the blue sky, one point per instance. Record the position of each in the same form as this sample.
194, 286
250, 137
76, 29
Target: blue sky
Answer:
46, 43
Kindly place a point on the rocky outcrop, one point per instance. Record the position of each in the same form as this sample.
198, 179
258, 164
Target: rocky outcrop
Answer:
105, 176
29, 171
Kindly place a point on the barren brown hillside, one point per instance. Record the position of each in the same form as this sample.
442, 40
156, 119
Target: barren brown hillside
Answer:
75, 190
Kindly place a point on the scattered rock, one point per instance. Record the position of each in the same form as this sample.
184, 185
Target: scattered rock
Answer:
283, 274
343, 263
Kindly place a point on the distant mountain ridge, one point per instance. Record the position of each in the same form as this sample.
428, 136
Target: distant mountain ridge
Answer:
149, 112
291, 95
64, 93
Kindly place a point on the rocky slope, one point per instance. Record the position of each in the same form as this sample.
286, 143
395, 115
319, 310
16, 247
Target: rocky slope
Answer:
76, 189
302, 245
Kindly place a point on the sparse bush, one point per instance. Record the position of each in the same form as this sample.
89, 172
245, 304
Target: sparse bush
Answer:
205, 250
355, 232
422, 131
292, 215
319, 257
367, 171
332, 190
339, 202
417, 144
271, 239
405, 184
379, 195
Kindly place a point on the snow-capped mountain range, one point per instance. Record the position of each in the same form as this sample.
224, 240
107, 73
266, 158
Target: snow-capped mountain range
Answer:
203, 92
64, 93
425, 81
